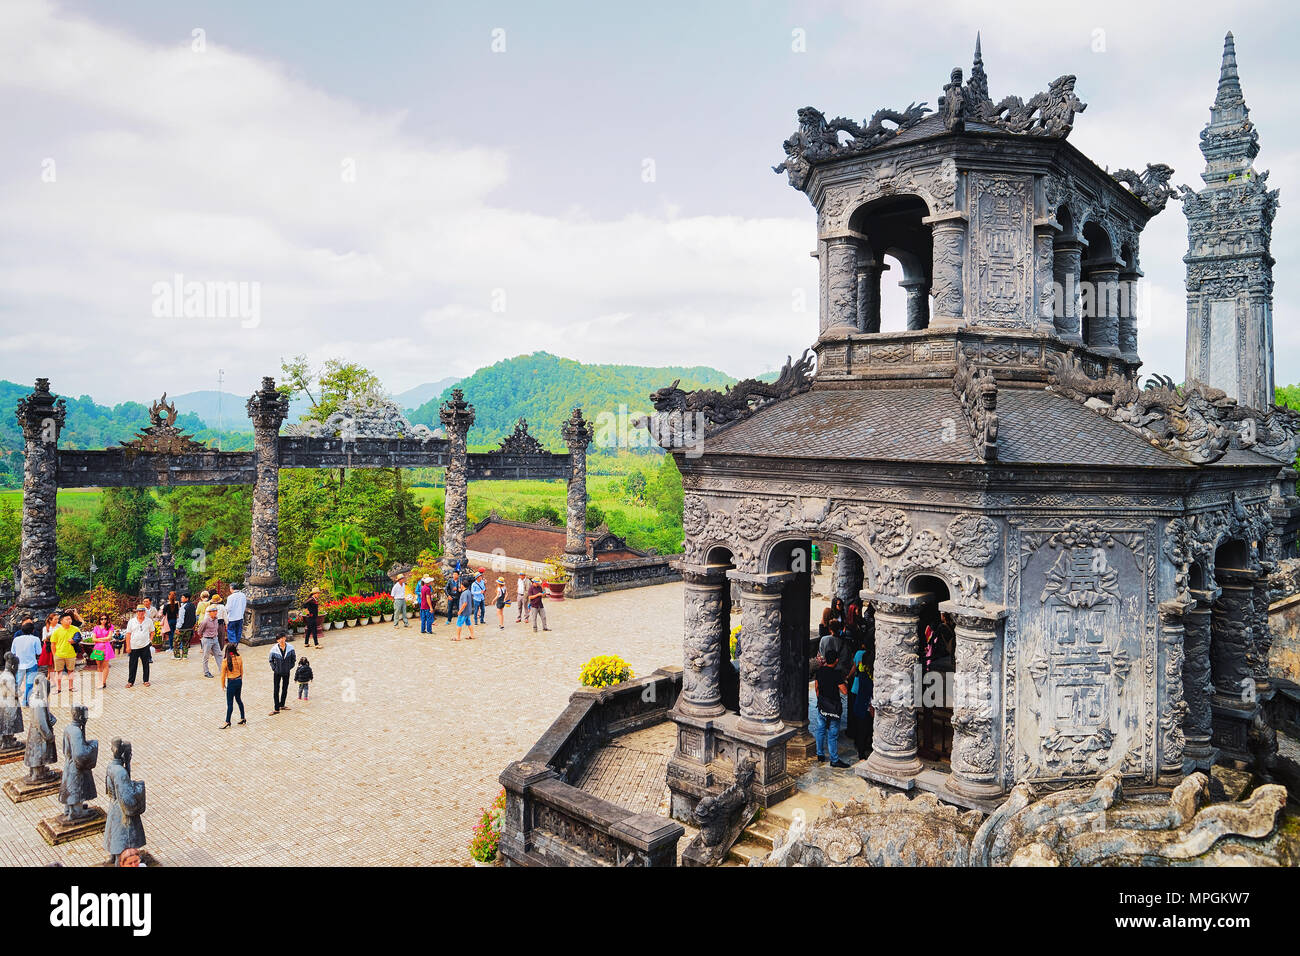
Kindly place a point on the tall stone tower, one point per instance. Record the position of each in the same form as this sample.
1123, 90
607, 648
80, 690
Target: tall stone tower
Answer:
1229, 268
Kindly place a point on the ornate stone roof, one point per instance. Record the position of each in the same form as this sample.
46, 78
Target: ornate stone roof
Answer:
1035, 426
967, 106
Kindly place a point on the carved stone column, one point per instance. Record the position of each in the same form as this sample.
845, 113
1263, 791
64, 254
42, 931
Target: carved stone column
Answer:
895, 696
847, 574
1230, 640
1067, 255
760, 651
577, 434
456, 416
704, 640
918, 303
268, 409
949, 234
976, 723
268, 603
1128, 335
1103, 327
1198, 689
869, 271
40, 416
1045, 231
1261, 636
841, 284
796, 619
1171, 708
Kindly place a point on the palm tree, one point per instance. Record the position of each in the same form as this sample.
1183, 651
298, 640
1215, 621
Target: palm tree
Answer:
343, 553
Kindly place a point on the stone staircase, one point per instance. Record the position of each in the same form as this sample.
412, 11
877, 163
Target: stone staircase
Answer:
757, 841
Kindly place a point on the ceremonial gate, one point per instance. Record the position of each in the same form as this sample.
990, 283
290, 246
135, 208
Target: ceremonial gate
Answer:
163, 455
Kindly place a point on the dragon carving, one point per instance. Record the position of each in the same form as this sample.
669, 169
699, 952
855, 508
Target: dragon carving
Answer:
1194, 422
718, 409
818, 139
1151, 186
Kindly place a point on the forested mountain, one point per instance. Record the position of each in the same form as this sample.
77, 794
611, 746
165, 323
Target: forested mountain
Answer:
544, 389
415, 397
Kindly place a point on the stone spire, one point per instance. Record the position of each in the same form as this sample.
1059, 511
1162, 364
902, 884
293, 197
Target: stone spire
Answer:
979, 81
1229, 141
1229, 264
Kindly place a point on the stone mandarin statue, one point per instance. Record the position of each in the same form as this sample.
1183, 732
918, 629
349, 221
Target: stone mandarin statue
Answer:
11, 712
79, 758
126, 803
40, 749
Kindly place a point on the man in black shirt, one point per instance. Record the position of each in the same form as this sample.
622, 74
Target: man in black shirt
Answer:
830, 685
453, 596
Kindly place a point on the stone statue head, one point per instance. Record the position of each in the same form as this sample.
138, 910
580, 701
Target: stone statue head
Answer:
41, 690
80, 714
11, 662
122, 752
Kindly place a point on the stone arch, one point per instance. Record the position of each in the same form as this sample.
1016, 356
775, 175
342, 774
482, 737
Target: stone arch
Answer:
893, 225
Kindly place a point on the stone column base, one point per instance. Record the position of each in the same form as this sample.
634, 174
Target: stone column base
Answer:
706, 754
582, 576
268, 613
890, 771
803, 745
975, 789
1231, 735
56, 830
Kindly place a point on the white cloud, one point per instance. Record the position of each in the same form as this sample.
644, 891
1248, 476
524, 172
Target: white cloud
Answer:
221, 167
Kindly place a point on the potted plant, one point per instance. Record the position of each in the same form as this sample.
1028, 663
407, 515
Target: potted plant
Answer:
556, 577
485, 843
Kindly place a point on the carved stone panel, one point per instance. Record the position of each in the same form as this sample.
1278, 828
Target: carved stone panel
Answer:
1000, 244
1080, 651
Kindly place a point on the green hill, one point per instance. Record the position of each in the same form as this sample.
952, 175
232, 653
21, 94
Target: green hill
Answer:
544, 389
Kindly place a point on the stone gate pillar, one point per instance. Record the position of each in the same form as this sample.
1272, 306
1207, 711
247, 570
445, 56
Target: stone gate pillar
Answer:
1067, 256
949, 234
457, 416
894, 759
704, 640
268, 409
40, 416
1171, 705
577, 434
1198, 689
267, 614
976, 710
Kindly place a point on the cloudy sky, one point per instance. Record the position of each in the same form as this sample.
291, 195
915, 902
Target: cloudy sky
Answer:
430, 187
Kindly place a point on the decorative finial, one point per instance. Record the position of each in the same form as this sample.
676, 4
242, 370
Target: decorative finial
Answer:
1229, 82
979, 81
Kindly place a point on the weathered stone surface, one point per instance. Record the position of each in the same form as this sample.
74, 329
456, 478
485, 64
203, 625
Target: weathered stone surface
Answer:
1091, 825
457, 416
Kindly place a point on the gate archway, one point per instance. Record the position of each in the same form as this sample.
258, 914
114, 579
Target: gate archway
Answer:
161, 454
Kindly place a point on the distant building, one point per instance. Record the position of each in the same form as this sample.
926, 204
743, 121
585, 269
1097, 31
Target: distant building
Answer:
508, 546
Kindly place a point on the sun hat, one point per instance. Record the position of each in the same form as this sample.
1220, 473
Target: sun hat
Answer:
501, 580
138, 607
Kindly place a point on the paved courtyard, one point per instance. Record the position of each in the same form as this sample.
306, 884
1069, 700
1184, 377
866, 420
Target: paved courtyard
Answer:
389, 763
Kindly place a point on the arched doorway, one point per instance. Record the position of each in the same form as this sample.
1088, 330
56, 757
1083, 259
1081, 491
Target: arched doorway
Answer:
938, 664
893, 228
1230, 627
729, 666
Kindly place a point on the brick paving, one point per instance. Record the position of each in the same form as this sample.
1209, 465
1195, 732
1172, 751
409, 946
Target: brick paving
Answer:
631, 771
390, 761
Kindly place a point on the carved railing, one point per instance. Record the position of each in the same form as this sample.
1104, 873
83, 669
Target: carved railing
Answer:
550, 822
